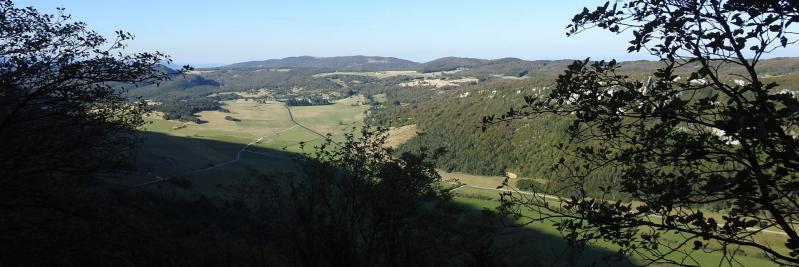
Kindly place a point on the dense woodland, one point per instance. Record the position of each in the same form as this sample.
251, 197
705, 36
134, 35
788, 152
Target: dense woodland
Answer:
529, 148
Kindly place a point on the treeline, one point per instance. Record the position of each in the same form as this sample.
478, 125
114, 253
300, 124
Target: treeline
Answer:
185, 109
308, 101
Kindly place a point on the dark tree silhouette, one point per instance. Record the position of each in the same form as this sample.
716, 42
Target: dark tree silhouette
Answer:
61, 101
704, 130
357, 204
63, 119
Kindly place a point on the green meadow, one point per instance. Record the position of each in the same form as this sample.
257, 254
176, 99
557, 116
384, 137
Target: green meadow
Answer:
488, 199
261, 140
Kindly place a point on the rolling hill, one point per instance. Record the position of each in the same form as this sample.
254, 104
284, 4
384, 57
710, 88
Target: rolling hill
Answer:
339, 77
346, 63
450, 63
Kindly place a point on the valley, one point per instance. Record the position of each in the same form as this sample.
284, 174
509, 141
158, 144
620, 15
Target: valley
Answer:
266, 135
396, 133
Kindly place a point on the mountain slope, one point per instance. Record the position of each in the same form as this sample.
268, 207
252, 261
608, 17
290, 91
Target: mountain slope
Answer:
451, 119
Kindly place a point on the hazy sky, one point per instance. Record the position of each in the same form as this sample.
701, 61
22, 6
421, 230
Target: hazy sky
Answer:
218, 32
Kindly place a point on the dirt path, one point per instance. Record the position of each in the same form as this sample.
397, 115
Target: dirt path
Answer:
291, 117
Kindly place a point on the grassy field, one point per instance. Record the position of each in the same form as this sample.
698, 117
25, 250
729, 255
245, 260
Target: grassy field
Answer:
485, 198
270, 120
380, 98
399, 135
336, 118
470, 179
211, 155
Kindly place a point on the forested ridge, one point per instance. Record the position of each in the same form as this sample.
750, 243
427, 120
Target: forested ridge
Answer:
528, 148
452, 121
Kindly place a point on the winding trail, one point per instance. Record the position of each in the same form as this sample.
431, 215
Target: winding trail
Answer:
291, 117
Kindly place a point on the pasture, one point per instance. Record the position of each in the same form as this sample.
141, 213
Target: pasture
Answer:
221, 152
269, 121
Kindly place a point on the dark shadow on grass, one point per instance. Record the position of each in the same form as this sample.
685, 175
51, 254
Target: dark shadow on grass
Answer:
163, 157
179, 158
521, 243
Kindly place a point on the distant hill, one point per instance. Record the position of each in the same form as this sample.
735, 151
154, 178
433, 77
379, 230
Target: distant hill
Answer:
347, 63
450, 63
167, 68
482, 68
515, 67
298, 75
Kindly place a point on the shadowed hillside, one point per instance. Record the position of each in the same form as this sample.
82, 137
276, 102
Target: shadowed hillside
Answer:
515, 246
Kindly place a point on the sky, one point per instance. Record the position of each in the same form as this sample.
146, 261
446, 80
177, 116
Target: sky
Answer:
208, 33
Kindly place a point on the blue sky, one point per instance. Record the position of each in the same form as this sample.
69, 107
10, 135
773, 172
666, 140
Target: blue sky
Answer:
220, 32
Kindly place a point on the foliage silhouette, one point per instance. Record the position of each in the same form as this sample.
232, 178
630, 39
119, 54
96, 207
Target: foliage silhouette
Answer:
676, 144
63, 123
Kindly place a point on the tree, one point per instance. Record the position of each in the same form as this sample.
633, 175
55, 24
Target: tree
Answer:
358, 204
63, 119
704, 130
